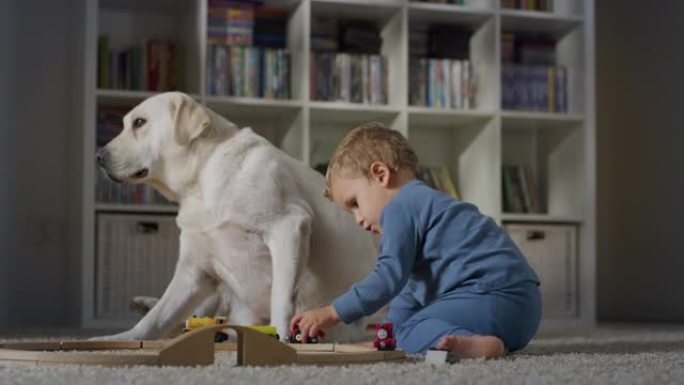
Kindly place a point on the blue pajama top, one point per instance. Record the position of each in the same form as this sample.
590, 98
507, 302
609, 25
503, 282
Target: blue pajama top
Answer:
433, 245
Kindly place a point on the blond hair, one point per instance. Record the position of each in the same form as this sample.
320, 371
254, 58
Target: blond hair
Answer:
368, 143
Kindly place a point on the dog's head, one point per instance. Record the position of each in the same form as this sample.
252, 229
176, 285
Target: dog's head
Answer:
158, 135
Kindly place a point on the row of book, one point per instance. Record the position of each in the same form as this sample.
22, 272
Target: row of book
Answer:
230, 22
109, 123
444, 41
527, 48
442, 83
107, 191
348, 77
439, 178
330, 34
530, 5
155, 66
534, 88
520, 193
248, 71
245, 23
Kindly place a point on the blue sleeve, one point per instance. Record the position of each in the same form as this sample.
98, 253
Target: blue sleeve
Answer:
398, 250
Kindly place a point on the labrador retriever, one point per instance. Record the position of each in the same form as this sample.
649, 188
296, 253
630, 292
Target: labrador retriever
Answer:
255, 226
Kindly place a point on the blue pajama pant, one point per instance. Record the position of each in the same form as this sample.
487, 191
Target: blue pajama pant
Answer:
512, 314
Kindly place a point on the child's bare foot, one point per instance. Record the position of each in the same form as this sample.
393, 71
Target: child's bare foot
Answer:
473, 346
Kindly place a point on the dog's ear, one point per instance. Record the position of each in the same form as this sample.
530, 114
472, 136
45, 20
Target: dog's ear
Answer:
191, 120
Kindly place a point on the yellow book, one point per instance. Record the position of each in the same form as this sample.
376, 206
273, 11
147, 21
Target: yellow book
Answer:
448, 182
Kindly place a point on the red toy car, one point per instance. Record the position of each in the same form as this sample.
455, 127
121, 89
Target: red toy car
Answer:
295, 336
383, 337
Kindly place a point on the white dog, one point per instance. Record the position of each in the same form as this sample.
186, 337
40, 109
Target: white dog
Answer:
255, 226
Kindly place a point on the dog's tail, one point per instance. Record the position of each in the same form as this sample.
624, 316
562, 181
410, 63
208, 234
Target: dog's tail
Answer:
142, 304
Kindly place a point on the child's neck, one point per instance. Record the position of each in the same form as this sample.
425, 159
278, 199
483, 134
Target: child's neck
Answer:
399, 179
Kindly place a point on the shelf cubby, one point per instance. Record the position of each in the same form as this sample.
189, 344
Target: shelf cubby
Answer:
553, 151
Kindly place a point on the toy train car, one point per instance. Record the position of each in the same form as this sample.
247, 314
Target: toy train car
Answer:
384, 338
296, 337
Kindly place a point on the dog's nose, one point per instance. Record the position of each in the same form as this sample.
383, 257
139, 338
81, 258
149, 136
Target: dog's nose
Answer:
101, 156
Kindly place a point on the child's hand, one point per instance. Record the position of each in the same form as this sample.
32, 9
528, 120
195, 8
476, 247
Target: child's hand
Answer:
311, 321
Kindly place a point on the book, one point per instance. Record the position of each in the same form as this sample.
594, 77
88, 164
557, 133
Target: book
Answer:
439, 178
347, 77
519, 190
103, 79
534, 88
248, 71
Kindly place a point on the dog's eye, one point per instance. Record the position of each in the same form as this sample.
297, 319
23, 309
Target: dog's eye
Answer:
139, 122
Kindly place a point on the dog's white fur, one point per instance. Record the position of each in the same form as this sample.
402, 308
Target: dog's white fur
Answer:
255, 226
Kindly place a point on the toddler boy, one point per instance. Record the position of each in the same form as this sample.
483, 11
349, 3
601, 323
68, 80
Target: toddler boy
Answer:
453, 279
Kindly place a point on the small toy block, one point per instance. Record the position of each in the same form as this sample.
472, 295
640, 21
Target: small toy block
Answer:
440, 357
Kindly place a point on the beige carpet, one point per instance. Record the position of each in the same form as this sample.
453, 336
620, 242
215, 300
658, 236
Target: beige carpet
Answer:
612, 354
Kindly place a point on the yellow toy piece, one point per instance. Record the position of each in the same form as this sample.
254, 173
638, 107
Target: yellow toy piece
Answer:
268, 330
195, 322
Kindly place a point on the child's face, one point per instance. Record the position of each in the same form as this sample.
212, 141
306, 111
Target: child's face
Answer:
363, 197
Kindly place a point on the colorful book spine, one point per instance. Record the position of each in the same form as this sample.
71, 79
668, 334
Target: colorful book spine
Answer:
534, 88
248, 71
352, 78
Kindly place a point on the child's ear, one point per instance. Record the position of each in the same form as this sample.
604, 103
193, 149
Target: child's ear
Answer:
380, 173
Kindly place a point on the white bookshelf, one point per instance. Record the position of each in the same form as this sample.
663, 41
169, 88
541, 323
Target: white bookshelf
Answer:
474, 144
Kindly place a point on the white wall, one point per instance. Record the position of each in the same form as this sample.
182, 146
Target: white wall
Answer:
640, 62
35, 199
6, 153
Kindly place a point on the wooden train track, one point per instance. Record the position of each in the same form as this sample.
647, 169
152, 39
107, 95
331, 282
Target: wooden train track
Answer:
196, 347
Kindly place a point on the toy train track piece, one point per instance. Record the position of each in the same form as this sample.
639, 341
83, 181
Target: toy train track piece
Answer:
196, 347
